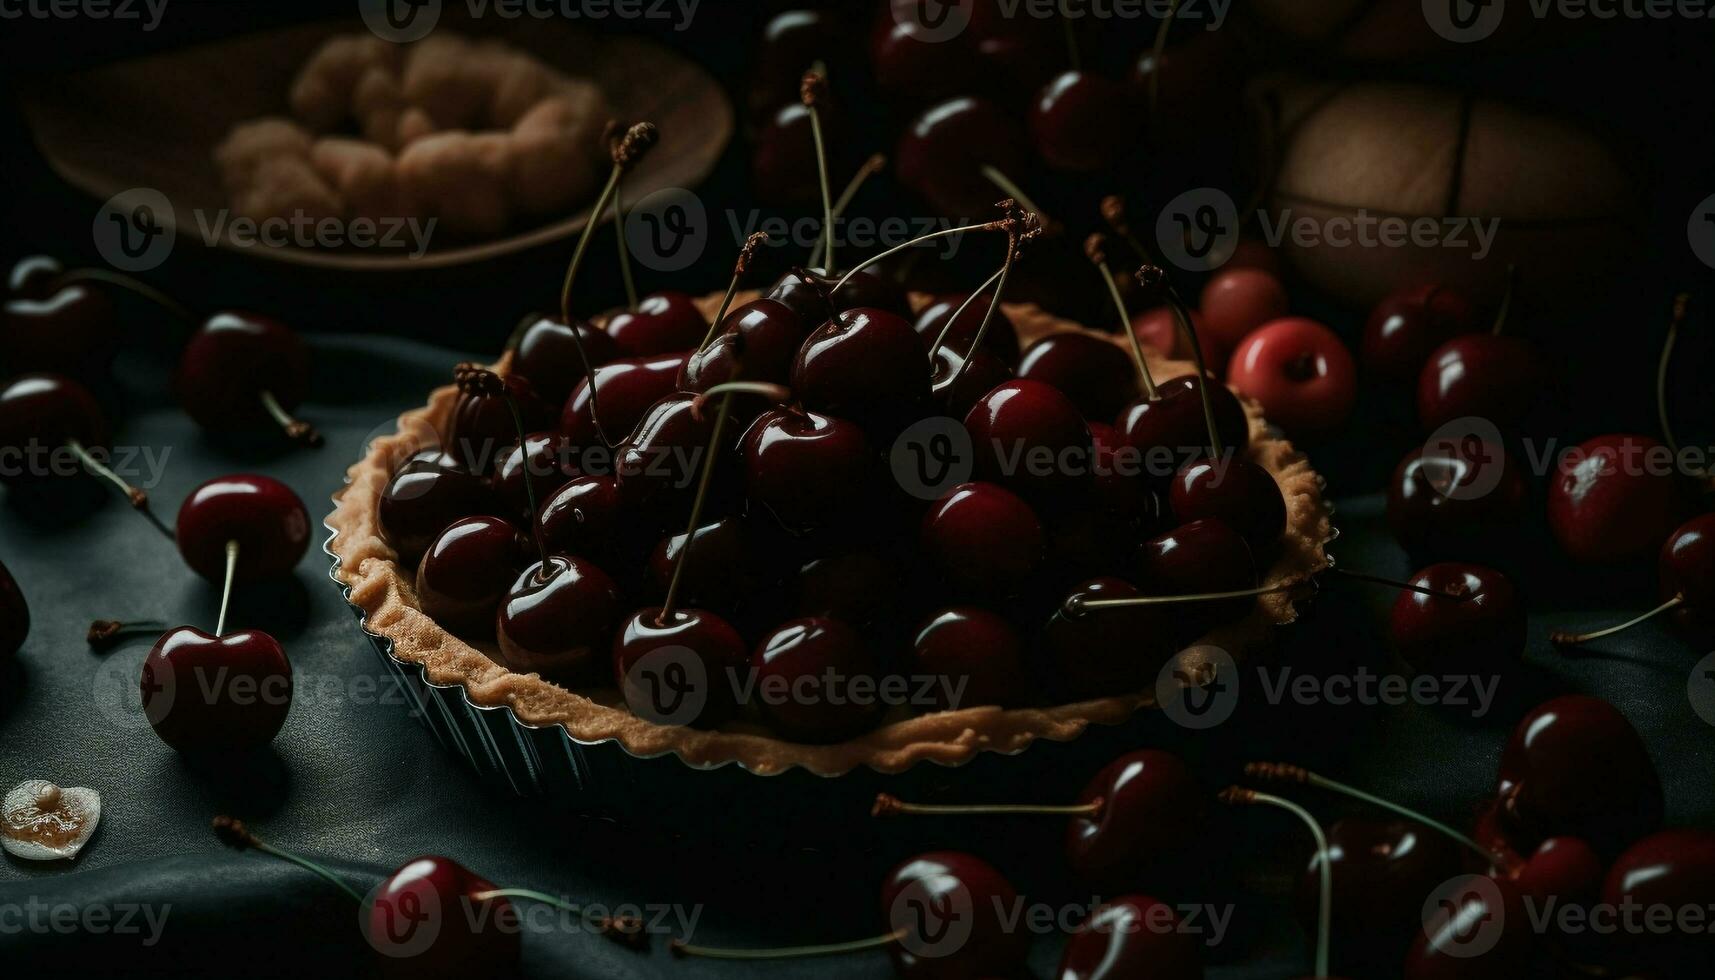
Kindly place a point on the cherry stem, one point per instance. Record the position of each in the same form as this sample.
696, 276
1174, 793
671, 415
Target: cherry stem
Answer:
1407, 586
1012, 243
1680, 303
624, 251
1506, 300
746, 253
1077, 605
234, 834
1001, 224
704, 479
626, 151
1113, 212
679, 947
138, 500
1156, 51
1009, 188
812, 89
777, 393
887, 805
1095, 247
1564, 639
106, 633
1281, 772
622, 928
870, 168
1240, 795
296, 430
947, 327
1156, 277
1071, 35
136, 286
226, 586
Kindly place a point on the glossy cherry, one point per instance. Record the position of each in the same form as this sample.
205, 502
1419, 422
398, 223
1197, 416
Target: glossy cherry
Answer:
1673, 870
1152, 812
1166, 429
1236, 301
976, 653
545, 459
1406, 326
1021, 421
913, 62
1122, 478
808, 469
1301, 373
758, 342
927, 895
1081, 122
1487, 376
1687, 570
624, 391
806, 673
867, 366
585, 517
434, 917
428, 491
658, 464
243, 372
14, 614
860, 587
1234, 490
1383, 871
1132, 936
45, 412
679, 669
466, 571
1479, 633
1001, 338
955, 387
1465, 500
262, 514
783, 166
941, 153
482, 429
807, 292
547, 356
720, 569
1094, 373
983, 538
662, 323
48, 326
207, 694
1575, 766
1101, 653
1194, 558
1457, 942
1615, 499
558, 617
1158, 328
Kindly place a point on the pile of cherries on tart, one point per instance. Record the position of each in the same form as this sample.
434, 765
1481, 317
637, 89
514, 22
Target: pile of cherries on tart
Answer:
748, 516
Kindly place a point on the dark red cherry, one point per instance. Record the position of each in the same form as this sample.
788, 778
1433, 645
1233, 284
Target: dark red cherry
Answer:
1022, 431
1195, 86
783, 165
1481, 633
953, 911
679, 670
467, 570
1382, 871
758, 342
859, 587
1485, 935
806, 292
1687, 570
545, 459
71, 328
1001, 338
1153, 812
983, 538
1234, 490
625, 389
1566, 869
1173, 426
789, 44
808, 469
430, 490
1236, 301
1480, 375
1122, 480
1456, 500
428, 920
659, 465
262, 514
558, 617
868, 366
482, 427
232, 363
1407, 326
1132, 936
810, 677
719, 571
955, 388
14, 614
215, 695
1158, 328
585, 517
1197, 557
1575, 766
1671, 870
1094, 373
912, 61
977, 655
1081, 122
1614, 499
940, 155
547, 356
1098, 653
40, 413
663, 323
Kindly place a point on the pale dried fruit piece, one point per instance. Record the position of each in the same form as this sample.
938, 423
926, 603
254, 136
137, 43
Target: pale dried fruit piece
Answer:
40, 821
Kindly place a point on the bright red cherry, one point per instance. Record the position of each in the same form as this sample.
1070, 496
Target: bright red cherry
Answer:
1233, 490
244, 372
1300, 372
262, 515
1001, 338
624, 391
466, 571
428, 491
1406, 326
1673, 870
1236, 301
14, 614
868, 366
1151, 810
983, 538
1022, 425
435, 918
1081, 122
1615, 499
1457, 500
807, 468
809, 674
216, 695
1094, 373
547, 356
1575, 766
1479, 633
557, 617
1479, 375
663, 323
679, 670
977, 653
932, 895
941, 154
758, 341
1098, 653
1132, 936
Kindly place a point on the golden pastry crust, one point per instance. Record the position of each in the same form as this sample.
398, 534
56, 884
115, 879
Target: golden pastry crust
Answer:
384, 592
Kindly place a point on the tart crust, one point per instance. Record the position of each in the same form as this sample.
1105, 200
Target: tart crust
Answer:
385, 594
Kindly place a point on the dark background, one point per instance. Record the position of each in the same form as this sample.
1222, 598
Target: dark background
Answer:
364, 787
